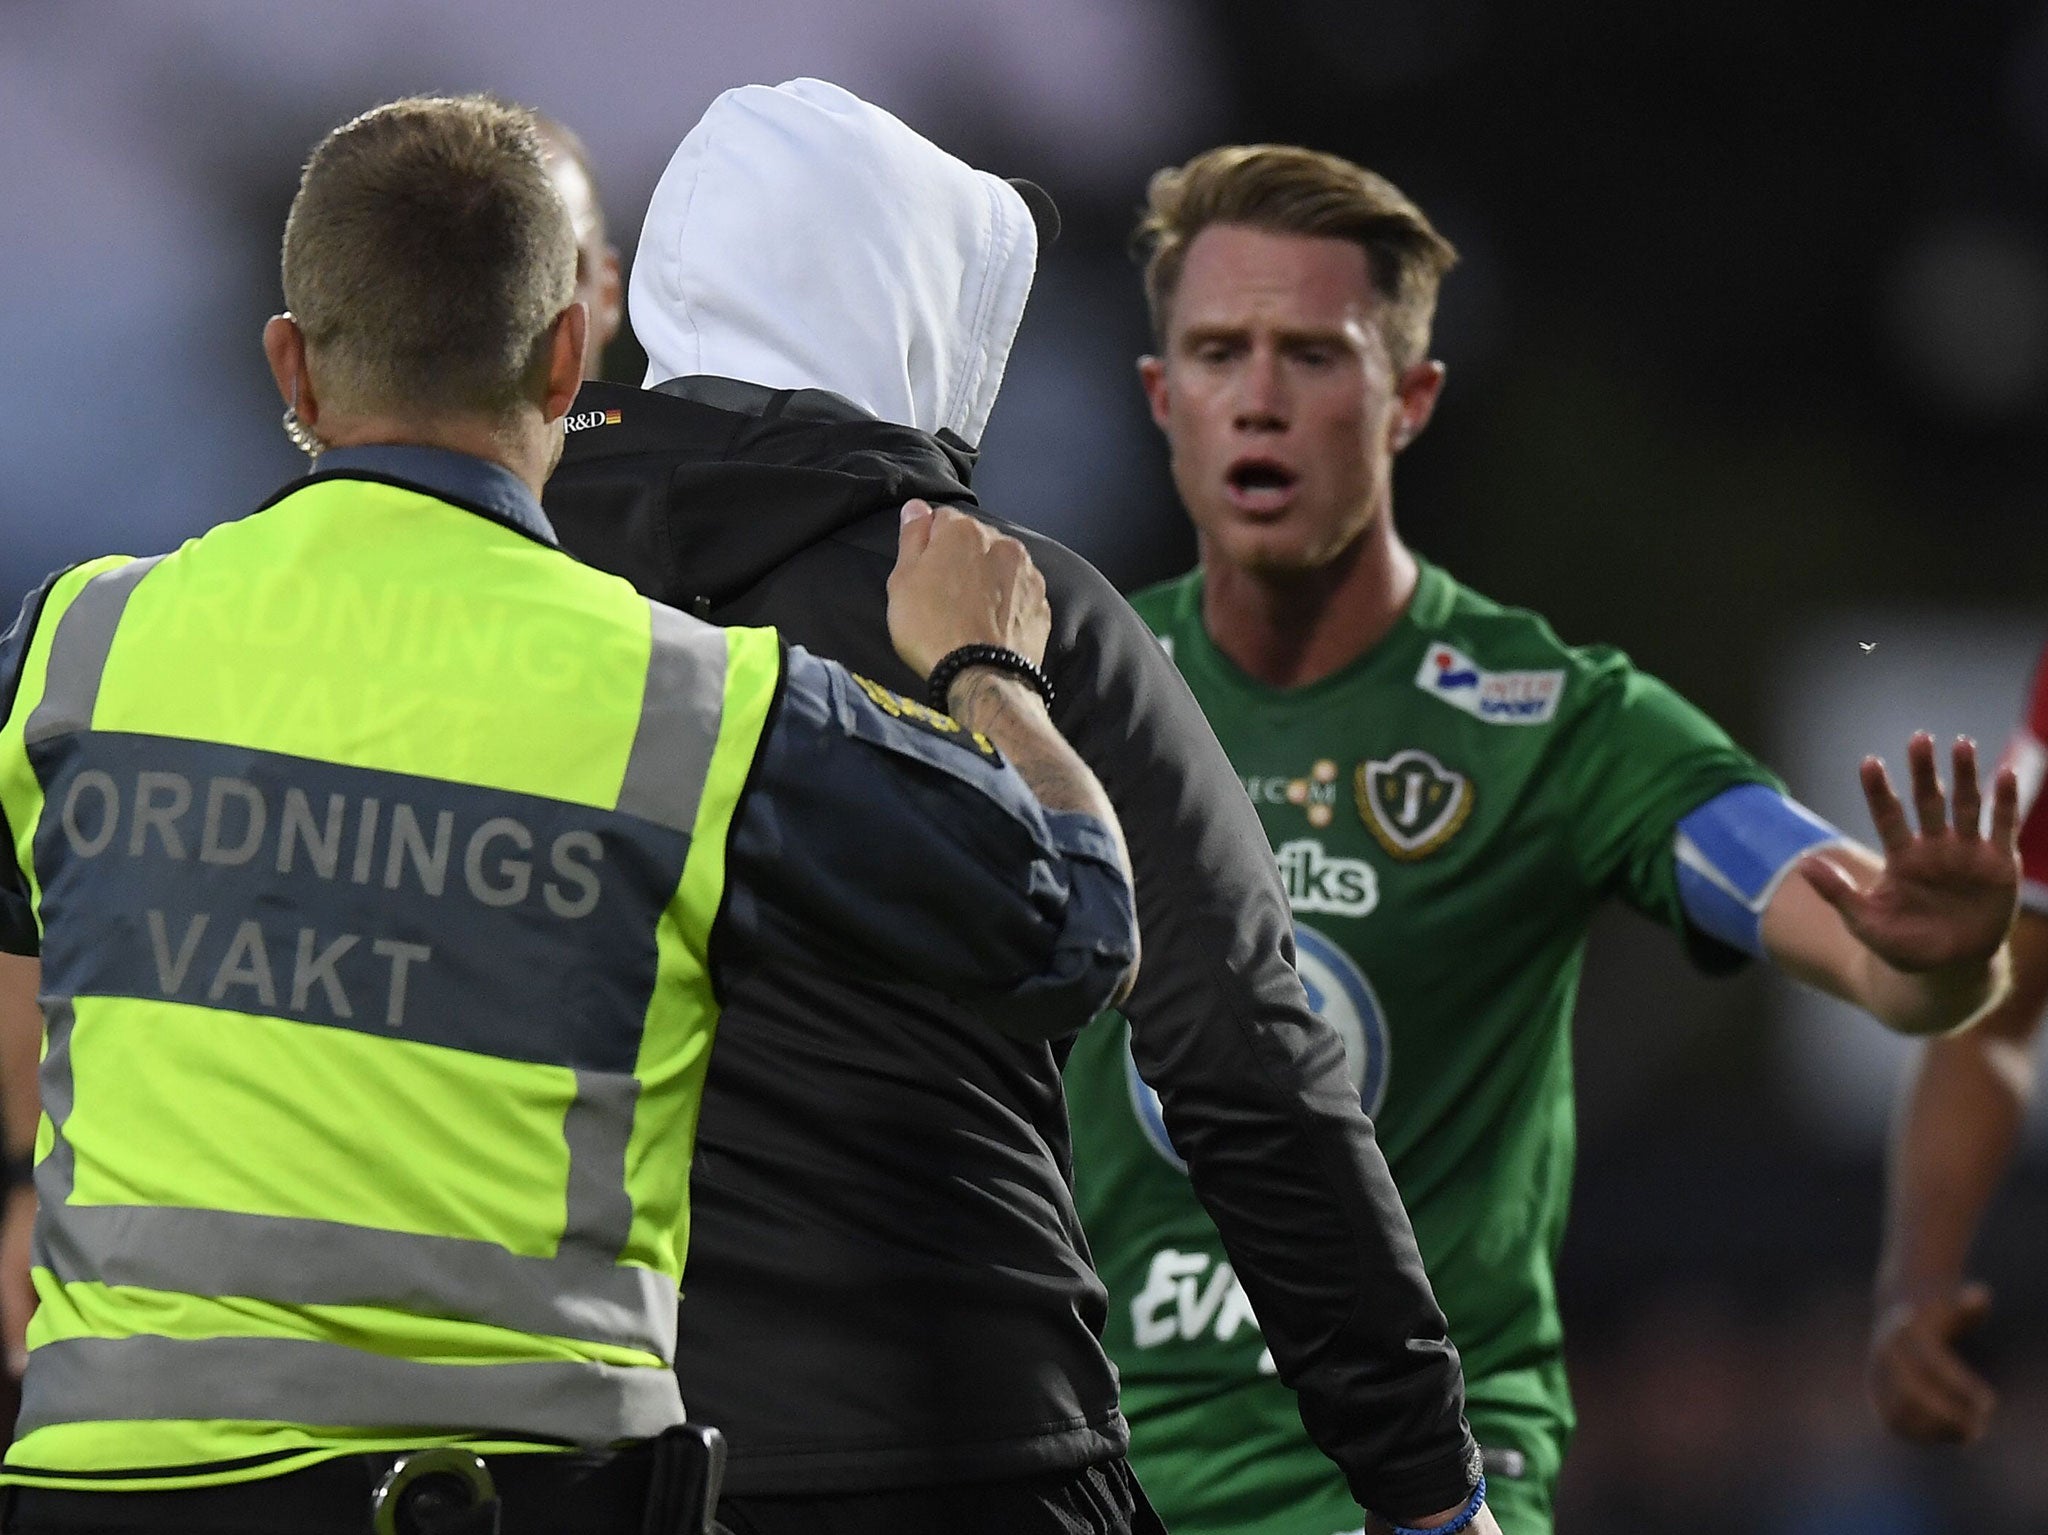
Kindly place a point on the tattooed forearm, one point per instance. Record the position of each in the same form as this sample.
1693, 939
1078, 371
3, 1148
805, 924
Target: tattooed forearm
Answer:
1010, 714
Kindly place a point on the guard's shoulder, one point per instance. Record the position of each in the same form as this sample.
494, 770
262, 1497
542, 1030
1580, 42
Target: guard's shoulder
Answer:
51, 595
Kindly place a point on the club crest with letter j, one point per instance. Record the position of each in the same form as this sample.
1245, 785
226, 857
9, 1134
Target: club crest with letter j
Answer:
1412, 803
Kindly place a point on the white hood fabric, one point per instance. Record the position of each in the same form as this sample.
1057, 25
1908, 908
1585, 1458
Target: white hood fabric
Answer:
802, 238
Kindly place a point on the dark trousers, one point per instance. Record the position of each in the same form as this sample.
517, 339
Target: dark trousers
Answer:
1102, 1499
547, 1494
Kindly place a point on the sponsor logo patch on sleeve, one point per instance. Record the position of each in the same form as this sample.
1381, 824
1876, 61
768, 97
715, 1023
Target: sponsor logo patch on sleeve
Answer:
896, 706
1499, 698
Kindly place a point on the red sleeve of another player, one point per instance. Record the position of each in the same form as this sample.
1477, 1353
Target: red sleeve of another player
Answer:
2028, 755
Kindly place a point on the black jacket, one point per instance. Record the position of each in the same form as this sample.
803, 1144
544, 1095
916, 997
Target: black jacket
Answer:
887, 1284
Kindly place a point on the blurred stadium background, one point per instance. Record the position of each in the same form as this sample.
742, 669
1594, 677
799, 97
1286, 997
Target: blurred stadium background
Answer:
1749, 364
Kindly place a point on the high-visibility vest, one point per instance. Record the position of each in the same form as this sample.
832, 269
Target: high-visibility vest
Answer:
376, 848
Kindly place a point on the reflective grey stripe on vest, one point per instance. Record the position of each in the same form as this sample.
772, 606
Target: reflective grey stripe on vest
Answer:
294, 1380
54, 1174
295, 1262
79, 651
582, 1292
600, 1211
680, 715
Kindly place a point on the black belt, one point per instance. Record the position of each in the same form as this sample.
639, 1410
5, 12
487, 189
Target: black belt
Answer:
549, 1493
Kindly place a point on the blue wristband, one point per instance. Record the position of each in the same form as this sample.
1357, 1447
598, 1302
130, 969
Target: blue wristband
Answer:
1470, 1512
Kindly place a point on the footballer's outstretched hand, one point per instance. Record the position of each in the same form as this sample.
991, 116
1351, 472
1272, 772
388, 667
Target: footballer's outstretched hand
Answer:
1947, 894
1921, 1386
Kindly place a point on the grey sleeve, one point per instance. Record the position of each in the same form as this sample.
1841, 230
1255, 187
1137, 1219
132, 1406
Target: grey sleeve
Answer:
19, 933
878, 835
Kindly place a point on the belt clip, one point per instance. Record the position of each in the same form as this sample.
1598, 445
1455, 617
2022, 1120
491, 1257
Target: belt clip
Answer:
689, 1473
442, 1491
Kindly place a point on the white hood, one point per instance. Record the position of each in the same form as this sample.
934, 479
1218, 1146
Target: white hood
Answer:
804, 239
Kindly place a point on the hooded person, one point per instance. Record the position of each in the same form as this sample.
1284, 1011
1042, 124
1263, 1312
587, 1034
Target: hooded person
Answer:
891, 1312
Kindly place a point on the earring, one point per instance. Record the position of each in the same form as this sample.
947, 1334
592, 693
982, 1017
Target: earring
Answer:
301, 435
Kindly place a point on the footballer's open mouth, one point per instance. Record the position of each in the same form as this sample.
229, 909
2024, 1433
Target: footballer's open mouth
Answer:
1260, 485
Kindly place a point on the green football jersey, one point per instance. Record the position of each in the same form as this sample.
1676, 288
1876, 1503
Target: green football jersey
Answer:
1447, 813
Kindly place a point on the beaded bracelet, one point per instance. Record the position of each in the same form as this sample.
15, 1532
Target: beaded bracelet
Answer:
1471, 1511
954, 662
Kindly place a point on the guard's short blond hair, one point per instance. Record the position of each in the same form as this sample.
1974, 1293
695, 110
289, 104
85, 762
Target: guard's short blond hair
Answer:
1285, 189
425, 257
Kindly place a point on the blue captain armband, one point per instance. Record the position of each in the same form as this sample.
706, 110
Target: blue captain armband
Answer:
1733, 851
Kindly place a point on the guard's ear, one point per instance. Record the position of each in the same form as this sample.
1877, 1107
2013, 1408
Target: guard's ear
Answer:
284, 345
565, 361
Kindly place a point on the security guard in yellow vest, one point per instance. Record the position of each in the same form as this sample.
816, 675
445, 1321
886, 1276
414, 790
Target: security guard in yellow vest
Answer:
381, 858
